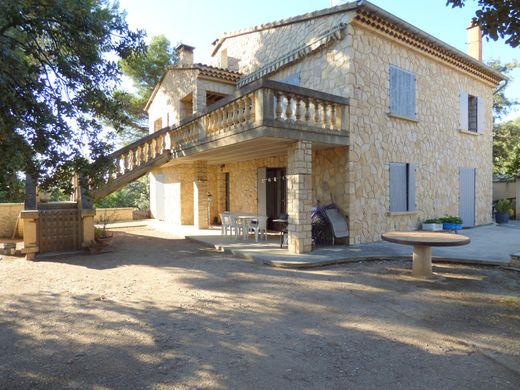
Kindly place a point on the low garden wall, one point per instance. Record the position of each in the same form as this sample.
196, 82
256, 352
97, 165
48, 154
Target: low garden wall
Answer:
9, 213
114, 214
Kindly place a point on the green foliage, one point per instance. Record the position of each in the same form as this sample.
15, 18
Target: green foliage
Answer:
496, 18
503, 205
135, 194
450, 219
506, 148
502, 105
145, 70
432, 220
13, 192
58, 67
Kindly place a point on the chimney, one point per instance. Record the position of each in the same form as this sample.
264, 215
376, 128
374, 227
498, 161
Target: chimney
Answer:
475, 42
185, 53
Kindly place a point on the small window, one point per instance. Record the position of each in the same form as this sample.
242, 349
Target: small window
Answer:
471, 113
402, 187
157, 124
402, 93
293, 79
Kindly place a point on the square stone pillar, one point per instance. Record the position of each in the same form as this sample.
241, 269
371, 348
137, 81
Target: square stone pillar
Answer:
30, 233
299, 196
87, 219
200, 194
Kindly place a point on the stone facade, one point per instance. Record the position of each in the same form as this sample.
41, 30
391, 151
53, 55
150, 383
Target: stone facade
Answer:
358, 67
355, 65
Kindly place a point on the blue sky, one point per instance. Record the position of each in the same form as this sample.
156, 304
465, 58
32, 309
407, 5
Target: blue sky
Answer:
202, 21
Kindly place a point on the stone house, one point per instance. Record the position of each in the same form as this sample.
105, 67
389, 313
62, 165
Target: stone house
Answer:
349, 104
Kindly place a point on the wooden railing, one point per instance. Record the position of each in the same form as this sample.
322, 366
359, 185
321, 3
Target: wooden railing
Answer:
262, 103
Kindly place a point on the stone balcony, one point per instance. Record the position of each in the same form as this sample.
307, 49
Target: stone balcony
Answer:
258, 120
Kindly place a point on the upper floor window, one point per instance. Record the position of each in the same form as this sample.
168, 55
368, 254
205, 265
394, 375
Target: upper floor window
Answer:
402, 187
293, 79
157, 124
402, 93
471, 113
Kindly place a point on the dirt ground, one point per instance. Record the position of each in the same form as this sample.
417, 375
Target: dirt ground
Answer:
160, 312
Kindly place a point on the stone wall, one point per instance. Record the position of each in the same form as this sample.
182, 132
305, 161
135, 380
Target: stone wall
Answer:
9, 213
176, 85
114, 214
258, 48
434, 143
167, 102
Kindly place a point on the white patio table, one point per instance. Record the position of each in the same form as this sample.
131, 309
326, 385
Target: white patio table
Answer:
244, 219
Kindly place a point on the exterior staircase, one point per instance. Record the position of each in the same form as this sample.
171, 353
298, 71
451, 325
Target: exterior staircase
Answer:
261, 109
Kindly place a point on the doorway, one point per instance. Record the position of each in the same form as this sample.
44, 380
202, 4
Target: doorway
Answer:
467, 196
276, 194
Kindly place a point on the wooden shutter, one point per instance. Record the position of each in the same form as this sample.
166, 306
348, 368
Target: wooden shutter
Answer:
402, 92
398, 184
464, 113
293, 79
411, 187
480, 115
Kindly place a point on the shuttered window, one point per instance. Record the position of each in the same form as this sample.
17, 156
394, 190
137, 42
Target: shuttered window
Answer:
402, 93
293, 79
471, 112
402, 187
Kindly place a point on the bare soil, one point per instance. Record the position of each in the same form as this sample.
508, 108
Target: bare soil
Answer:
161, 312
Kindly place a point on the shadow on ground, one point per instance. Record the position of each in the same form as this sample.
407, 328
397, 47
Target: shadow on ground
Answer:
164, 312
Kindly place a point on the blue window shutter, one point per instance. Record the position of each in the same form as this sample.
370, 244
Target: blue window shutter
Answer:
481, 125
464, 110
394, 90
402, 92
411, 187
293, 79
398, 190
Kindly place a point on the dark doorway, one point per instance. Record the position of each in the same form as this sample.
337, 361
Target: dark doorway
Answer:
276, 194
227, 205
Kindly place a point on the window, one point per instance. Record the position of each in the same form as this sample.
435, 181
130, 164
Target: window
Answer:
402, 187
471, 113
157, 124
402, 93
293, 79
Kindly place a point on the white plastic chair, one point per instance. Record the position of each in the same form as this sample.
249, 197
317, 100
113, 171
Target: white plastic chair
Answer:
259, 226
225, 218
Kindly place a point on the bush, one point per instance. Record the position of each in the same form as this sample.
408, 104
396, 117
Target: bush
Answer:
503, 205
433, 220
451, 219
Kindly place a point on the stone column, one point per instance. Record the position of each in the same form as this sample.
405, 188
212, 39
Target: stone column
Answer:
87, 220
200, 194
30, 233
299, 196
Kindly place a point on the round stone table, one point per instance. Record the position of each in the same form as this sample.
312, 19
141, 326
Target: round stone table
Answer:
422, 247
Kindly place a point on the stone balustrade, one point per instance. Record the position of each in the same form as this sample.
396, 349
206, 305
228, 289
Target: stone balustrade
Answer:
263, 103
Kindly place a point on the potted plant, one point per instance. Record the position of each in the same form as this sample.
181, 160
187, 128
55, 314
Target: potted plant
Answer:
502, 208
102, 237
433, 225
450, 222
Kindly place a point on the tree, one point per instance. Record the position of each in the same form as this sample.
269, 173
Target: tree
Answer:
58, 68
496, 18
145, 71
506, 148
502, 105
135, 194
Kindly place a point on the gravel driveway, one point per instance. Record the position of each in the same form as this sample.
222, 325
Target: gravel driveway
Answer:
160, 312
